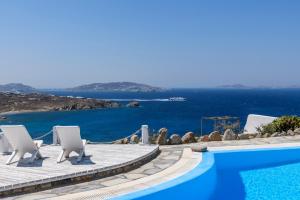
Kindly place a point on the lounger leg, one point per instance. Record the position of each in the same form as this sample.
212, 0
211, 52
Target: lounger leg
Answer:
38, 145
14, 153
67, 154
39, 155
81, 153
60, 156
33, 156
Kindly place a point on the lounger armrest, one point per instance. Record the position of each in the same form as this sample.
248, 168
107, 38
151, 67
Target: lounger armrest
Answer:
38, 143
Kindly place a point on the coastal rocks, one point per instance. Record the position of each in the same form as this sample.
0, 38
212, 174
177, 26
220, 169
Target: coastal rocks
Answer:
175, 139
42, 102
3, 118
113, 105
125, 141
118, 142
133, 104
259, 135
229, 135
189, 137
199, 148
162, 136
290, 133
297, 131
276, 134
246, 136
122, 141
204, 138
215, 136
153, 138
283, 133
266, 135
134, 139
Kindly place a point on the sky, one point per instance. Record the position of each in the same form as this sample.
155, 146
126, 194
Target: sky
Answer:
167, 43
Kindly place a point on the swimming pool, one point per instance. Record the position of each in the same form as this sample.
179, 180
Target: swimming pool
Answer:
257, 174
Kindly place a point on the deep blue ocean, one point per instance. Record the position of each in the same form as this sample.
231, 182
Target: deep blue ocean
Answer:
179, 117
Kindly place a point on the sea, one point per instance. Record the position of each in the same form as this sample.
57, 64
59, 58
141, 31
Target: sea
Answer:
156, 111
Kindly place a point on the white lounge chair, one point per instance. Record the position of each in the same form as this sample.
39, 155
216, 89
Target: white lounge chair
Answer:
70, 140
255, 121
5, 147
21, 143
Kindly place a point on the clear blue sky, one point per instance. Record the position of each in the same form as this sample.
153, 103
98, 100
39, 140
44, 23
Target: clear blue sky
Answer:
169, 43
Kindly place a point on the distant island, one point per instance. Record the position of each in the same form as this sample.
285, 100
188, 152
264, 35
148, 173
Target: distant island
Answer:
116, 87
93, 87
17, 88
241, 86
234, 86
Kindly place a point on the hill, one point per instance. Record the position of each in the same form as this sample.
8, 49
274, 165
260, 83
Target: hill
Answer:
116, 87
17, 88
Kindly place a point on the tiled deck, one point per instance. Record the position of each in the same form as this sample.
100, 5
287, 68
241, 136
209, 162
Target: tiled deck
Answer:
100, 159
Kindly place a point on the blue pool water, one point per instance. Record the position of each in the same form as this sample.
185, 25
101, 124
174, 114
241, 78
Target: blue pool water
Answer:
178, 117
259, 174
278, 183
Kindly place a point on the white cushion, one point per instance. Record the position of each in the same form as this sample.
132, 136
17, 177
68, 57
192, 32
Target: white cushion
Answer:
255, 121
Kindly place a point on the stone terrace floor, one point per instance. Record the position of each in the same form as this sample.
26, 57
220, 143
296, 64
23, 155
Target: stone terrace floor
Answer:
165, 159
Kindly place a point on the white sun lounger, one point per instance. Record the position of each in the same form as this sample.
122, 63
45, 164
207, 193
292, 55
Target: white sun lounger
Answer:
70, 140
5, 147
255, 121
21, 143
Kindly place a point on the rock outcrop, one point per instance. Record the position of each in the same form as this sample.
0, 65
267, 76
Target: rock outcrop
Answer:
229, 135
189, 137
290, 133
276, 134
297, 131
204, 138
3, 118
215, 136
134, 139
122, 141
283, 133
133, 104
246, 136
12, 102
175, 139
162, 136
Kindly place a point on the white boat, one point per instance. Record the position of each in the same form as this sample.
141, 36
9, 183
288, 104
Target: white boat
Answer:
177, 99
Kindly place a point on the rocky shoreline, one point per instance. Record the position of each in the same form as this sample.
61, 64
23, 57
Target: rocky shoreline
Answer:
162, 138
12, 103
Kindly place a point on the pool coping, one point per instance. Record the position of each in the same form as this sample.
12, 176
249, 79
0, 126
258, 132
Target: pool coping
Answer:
253, 147
188, 161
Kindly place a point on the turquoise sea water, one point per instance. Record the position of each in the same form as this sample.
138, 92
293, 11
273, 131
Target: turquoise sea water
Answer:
276, 183
178, 117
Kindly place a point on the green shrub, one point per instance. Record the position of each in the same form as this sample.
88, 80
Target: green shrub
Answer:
269, 128
281, 124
